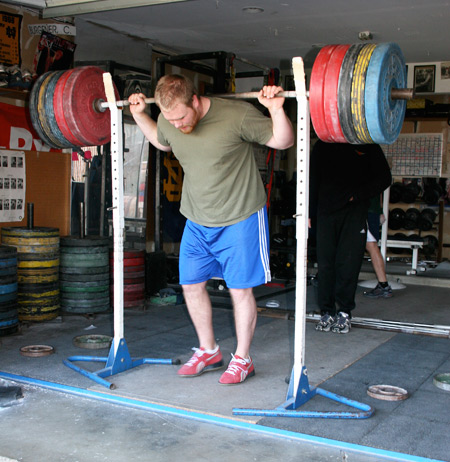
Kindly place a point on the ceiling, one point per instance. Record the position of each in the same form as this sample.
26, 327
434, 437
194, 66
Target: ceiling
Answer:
284, 29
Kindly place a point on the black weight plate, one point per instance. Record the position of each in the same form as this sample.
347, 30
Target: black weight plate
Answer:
34, 111
84, 271
7, 251
85, 242
82, 278
345, 94
396, 218
11, 314
430, 213
50, 113
8, 330
8, 270
411, 218
84, 249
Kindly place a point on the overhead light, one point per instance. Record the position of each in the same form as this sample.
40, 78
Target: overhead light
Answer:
365, 35
252, 9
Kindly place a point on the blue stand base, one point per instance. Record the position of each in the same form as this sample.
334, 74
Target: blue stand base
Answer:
115, 363
290, 407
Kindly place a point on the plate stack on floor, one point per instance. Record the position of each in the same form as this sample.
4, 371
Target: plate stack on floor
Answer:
84, 274
37, 271
133, 278
9, 320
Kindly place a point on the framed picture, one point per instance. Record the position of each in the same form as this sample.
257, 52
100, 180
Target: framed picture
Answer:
424, 78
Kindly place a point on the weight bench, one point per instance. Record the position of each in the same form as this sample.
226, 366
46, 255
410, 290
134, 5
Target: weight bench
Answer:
413, 245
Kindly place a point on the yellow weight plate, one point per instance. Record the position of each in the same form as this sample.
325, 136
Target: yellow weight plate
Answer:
358, 92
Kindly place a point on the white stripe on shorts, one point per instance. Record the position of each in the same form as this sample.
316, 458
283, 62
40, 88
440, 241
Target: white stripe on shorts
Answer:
263, 245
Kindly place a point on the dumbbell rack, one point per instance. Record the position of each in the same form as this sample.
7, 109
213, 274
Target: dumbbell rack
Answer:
119, 359
299, 391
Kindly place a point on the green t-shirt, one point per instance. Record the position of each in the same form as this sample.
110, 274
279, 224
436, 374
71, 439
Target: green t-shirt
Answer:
222, 184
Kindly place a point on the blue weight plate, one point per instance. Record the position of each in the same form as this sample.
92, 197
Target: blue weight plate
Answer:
345, 94
384, 116
34, 110
50, 113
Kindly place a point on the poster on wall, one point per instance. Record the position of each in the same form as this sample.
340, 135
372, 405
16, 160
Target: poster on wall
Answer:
12, 186
53, 54
10, 39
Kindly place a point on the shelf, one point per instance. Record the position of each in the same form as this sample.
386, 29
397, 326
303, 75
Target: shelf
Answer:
14, 94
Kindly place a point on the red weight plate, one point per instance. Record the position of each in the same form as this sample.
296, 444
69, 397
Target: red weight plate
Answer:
330, 92
316, 88
83, 88
58, 109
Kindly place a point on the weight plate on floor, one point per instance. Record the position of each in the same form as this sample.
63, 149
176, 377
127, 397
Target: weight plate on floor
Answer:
387, 392
93, 341
442, 381
316, 88
330, 96
34, 351
384, 116
345, 94
34, 111
82, 89
357, 94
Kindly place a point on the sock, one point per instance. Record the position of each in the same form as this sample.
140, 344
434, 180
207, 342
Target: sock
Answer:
384, 284
210, 352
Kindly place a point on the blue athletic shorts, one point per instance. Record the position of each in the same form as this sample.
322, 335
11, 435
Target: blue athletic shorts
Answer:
238, 253
373, 225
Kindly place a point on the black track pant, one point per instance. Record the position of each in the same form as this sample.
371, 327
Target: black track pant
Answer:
341, 240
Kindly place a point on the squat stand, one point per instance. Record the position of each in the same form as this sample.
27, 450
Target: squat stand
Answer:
119, 359
299, 391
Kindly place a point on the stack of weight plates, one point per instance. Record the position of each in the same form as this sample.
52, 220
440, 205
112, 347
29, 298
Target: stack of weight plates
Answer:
37, 271
350, 93
63, 108
133, 278
9, 320
84, 274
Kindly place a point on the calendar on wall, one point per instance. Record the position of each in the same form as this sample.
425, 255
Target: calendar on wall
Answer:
416, 154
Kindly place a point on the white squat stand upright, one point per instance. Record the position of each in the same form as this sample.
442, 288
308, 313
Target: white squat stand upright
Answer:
119, 359
299, 391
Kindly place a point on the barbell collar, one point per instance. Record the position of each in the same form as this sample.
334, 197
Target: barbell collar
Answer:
396, 93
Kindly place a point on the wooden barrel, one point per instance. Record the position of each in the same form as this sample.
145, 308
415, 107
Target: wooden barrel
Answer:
9, 320
37, 271
133, 278
84, 274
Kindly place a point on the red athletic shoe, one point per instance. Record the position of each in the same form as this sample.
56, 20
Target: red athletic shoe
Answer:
200, 362
238, 370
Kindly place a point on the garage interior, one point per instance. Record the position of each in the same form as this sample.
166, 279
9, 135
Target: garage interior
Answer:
51, 412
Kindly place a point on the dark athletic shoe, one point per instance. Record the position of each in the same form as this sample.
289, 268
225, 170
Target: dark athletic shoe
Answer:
342, 324
379, 292
325, 323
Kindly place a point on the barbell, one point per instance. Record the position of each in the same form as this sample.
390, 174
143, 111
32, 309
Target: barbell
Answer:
356, 95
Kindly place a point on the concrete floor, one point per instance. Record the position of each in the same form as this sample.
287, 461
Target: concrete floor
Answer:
155, 415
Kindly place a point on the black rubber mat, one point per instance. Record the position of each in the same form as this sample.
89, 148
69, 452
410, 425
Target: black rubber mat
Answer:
411, 426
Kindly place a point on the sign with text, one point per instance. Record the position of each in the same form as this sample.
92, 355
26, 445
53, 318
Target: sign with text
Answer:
10, 39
